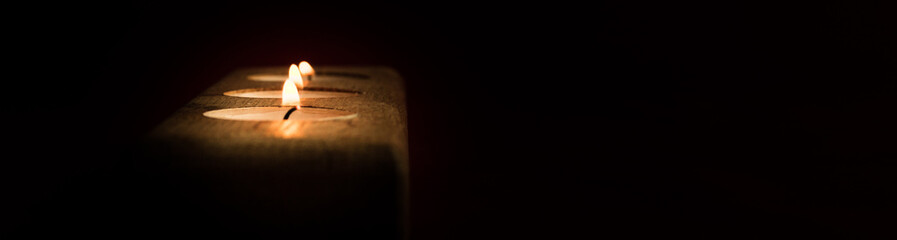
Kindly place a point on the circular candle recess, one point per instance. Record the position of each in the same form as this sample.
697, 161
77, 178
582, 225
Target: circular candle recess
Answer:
268, 77
280, 113
308, 92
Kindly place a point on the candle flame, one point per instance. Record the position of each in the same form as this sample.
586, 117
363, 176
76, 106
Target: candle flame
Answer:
290, 94
296, 76
306, 69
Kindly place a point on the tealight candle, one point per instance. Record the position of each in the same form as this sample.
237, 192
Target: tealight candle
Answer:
303, 71
308, 74
304, 93
319, 76
295, 75
304, 113
307, 71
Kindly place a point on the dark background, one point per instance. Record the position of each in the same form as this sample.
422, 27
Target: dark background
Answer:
525, 120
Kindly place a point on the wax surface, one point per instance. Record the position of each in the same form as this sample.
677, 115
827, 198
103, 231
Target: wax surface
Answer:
255, 93
277, 114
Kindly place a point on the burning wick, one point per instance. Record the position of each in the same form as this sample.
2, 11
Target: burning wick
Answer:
287, 116
306, 70
290, 94
296, 75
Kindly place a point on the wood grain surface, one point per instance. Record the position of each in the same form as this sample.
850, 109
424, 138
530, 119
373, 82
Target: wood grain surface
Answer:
320, 179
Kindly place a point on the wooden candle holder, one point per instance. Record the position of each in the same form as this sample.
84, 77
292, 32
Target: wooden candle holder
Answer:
333, 179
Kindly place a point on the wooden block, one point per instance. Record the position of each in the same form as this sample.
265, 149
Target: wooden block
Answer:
335, 178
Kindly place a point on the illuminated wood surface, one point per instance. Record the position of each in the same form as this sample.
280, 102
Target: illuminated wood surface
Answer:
335, 178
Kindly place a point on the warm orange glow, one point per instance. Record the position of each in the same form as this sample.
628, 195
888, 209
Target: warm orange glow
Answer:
290, 129
306, 69
296, 76
290, 96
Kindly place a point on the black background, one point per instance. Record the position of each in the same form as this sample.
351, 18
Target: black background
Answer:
547, 119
